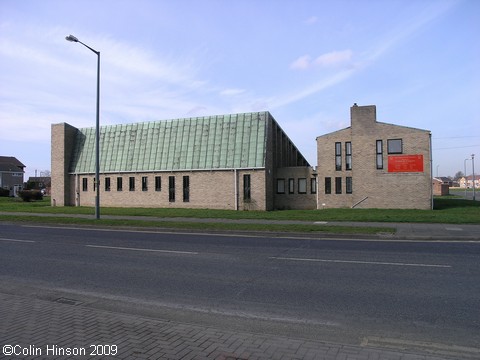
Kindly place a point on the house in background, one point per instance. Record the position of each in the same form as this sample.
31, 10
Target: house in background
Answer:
238, 161
467, 181
372, 164
11, 174
43, 183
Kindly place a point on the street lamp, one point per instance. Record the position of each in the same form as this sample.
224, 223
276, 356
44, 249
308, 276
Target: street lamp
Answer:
466, 179
473, 175
97, 128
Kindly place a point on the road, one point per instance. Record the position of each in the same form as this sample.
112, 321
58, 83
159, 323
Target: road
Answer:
338, 290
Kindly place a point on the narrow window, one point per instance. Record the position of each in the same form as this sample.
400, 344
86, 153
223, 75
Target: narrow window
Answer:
379, 154
131, 183
291, 186
302, 186
280, 186
348, 185
338, 156
84, 184
313, 185
107, 184
394, 146
186, 188
348, 155
144, 183
247, 196
119, 184
171, 188
328, 185
338, 185
158, 183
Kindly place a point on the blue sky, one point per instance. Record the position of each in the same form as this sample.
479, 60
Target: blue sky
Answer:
305, 61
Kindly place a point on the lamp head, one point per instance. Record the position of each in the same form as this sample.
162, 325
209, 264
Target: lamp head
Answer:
71, 38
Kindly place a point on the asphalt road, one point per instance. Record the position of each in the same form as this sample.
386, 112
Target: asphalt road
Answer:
339, 290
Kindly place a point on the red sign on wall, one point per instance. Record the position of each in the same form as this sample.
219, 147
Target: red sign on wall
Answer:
405, 163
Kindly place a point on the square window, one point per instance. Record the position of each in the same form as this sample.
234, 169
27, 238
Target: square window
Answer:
394, 146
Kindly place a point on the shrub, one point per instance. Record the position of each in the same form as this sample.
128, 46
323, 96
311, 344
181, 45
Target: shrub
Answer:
4, 192
29, 195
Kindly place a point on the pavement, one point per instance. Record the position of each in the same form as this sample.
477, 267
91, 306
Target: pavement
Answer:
54, 325
39, 327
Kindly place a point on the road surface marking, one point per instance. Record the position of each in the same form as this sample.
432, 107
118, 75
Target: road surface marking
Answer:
16, 240
453, 229
141, 249
359, 262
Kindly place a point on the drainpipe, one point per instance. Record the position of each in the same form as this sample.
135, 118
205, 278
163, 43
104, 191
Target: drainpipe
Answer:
236, 188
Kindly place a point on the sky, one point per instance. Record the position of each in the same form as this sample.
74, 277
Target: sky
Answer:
305, 61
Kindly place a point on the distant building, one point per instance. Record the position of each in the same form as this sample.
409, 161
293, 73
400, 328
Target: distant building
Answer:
40, 183
467, 181
239, 161
440, 187
372, 164
11, 174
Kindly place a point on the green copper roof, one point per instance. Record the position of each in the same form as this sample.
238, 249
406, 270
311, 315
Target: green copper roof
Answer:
211, 142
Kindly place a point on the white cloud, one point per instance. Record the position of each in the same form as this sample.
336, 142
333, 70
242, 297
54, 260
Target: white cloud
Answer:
232, 92
302, 63
331, 59
334, 58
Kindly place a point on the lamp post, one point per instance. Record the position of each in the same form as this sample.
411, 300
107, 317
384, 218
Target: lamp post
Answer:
465, 175
97, 129
473, 175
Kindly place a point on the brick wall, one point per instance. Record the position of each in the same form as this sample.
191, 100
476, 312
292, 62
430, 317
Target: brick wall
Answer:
287, 199
379, 187
207, 189
63, 136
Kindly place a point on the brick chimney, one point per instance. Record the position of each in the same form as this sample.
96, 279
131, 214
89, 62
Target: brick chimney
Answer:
363, 118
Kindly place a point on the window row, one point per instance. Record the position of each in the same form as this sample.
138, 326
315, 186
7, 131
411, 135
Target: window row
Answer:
301, 186
338, 185
338, 156
144, 184
158, 186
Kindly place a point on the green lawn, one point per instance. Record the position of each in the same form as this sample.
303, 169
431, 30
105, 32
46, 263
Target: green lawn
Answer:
448, 209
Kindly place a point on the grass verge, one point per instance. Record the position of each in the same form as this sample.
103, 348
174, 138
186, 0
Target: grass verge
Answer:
202, 226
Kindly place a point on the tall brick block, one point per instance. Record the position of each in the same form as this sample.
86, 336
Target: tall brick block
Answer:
374, 187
